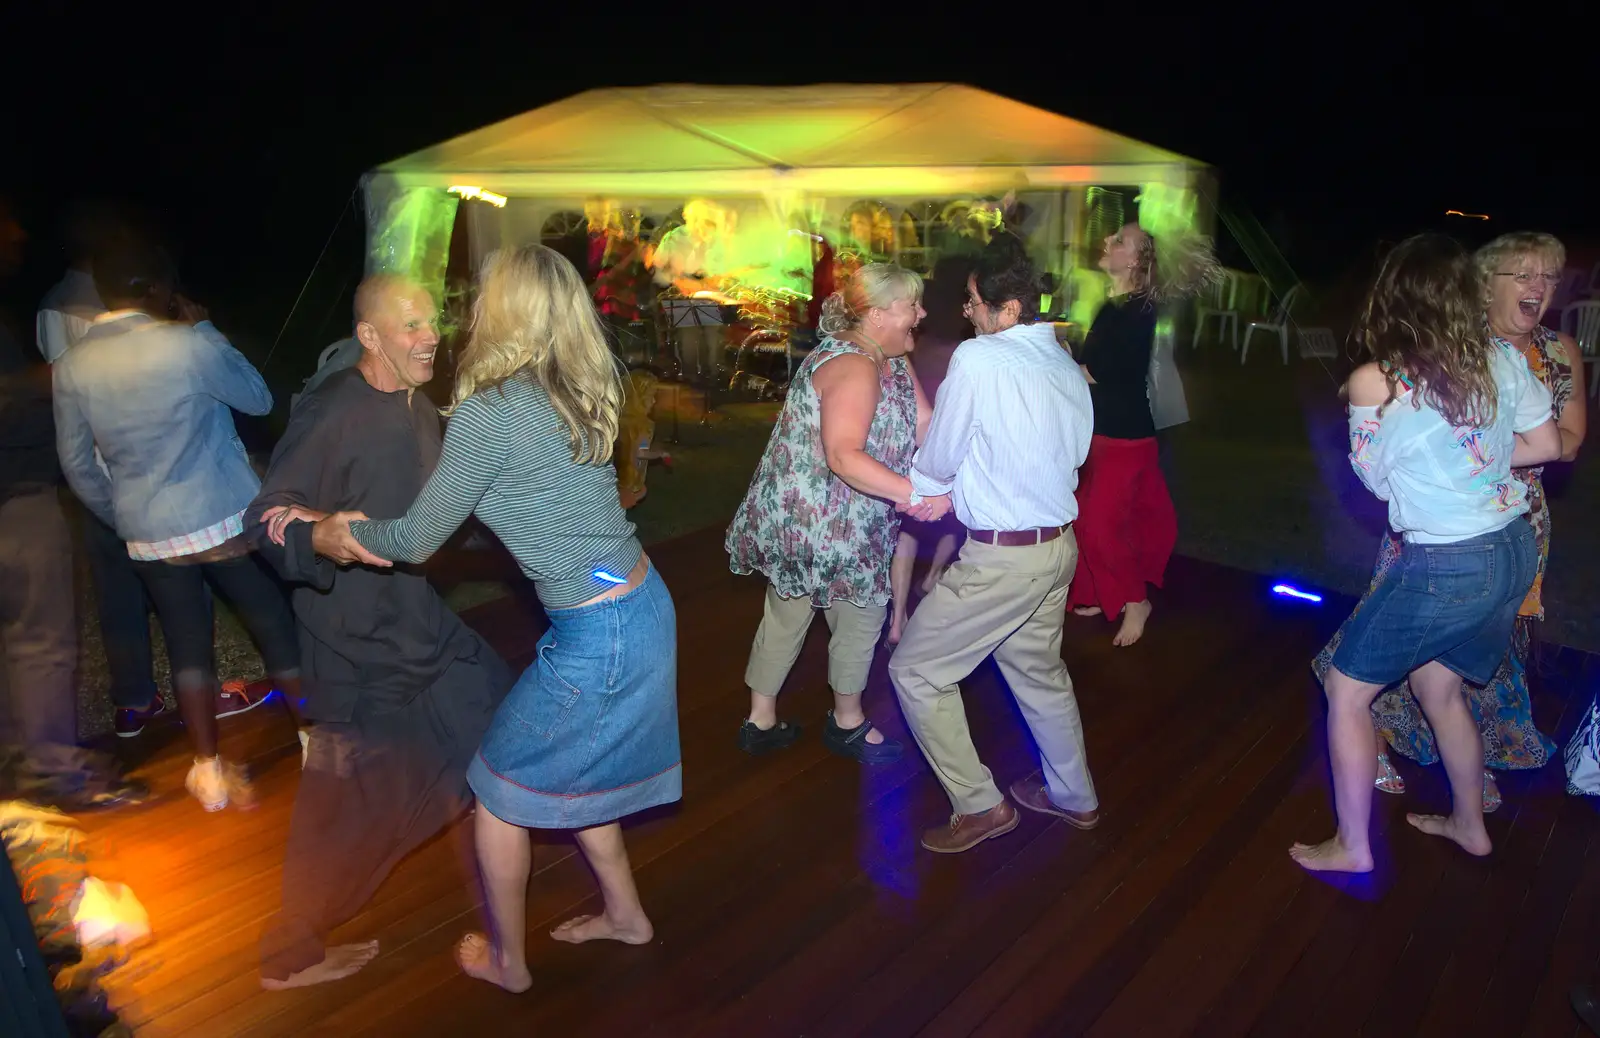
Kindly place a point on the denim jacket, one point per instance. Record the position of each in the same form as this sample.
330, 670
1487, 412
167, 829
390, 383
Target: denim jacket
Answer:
156, 398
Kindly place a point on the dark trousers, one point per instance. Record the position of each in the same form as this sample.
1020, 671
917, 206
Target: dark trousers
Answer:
38, 628
373, 789
124, 612
182, 599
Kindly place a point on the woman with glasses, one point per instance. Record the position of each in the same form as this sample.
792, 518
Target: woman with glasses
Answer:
1522, 272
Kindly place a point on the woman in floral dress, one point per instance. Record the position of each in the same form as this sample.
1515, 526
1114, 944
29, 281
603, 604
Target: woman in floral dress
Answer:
820, 520
1522, 272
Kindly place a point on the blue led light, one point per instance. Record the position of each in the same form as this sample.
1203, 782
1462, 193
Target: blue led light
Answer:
601, 574
1293, 592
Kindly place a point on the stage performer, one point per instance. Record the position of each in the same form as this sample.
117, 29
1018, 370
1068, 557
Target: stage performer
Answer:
1438, 419
1010, 429
400, 689
819, 518
1126, 524
589, 734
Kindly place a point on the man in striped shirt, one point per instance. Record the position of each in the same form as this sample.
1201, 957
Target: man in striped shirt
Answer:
1011, 427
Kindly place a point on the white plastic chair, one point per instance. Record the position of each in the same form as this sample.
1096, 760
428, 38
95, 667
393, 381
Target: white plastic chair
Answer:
1222, 303
1318, 342
1581, 320
1279, 324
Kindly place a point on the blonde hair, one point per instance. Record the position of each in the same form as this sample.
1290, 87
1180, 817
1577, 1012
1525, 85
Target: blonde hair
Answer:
1176, 266
533, 317
878, 285
1517, 245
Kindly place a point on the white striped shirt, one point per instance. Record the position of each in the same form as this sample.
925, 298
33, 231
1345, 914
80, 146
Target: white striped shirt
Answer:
1010, 428
507, 459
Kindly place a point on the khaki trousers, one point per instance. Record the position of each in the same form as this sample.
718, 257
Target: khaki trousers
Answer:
784, 622
1009, 601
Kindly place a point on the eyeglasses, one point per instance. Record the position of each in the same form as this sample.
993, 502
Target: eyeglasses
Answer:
970, 305
1553, 278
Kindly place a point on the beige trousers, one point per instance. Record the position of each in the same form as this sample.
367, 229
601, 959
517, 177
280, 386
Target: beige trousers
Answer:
784, 622
1009, 601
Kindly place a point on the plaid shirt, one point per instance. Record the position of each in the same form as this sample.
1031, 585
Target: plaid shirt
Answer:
189, 543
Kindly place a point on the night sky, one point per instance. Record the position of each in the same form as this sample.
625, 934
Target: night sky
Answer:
244, 134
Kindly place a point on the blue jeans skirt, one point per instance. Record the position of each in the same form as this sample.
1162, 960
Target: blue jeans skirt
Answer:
1455, 603
589, 733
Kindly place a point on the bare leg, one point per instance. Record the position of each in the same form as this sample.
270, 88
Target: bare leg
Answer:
905, 559
623, 919
763, 710
1353, 748
1134, 616
505, 856
943, 552
1438, 689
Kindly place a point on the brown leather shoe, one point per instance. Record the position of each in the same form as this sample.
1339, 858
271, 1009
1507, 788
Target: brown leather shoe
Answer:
967, 831
1030, 792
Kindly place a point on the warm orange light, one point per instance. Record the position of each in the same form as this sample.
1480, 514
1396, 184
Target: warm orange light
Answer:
1469, 216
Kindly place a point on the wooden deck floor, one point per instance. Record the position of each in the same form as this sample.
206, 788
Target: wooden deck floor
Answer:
790, 898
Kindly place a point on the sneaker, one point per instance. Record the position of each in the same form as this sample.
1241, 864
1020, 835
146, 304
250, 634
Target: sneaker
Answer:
236, 698
757, 741
208, 783
129, 722
217, 783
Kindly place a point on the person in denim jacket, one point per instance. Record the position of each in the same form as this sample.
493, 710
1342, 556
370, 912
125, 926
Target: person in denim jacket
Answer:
157, 396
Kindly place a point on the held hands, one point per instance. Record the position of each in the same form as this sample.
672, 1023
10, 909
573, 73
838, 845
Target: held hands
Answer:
279, 517
930, 510
332, 539
330, 536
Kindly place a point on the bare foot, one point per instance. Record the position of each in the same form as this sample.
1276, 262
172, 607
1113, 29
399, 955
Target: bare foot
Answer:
475, 955
337, 963
1086, 610
1133, 617
603, 928
1474, 841
1330, 856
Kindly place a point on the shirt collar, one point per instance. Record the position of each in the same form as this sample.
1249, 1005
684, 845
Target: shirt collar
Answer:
118, 315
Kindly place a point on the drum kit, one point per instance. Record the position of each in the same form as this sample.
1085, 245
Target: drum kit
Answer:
760, 328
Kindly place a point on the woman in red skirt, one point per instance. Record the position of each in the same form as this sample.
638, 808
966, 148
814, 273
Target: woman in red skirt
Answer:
1126, 526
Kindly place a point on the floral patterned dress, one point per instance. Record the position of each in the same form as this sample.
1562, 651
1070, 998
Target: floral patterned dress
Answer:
1502, 707
803, 527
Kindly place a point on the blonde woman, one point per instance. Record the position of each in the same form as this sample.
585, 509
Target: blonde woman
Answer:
589, 734
819, 520
1126, 524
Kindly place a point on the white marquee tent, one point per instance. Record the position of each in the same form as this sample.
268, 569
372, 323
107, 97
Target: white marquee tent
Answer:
824, 147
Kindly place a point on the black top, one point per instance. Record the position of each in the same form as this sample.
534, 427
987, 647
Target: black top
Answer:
378, 636
1117, 354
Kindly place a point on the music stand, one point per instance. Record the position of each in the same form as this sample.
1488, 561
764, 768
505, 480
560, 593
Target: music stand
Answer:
698, 314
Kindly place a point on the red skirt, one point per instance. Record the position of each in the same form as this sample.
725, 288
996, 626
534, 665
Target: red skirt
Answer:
1126, 525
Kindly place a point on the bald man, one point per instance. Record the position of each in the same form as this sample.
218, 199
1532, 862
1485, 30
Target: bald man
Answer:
400, 689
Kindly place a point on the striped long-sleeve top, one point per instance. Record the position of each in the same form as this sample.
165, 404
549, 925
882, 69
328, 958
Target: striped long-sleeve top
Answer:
507, 459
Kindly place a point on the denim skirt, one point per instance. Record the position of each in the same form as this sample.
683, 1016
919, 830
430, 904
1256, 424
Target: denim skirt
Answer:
589, 733
1455, 603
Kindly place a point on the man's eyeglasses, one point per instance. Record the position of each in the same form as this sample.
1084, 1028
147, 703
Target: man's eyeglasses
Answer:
1553, 278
